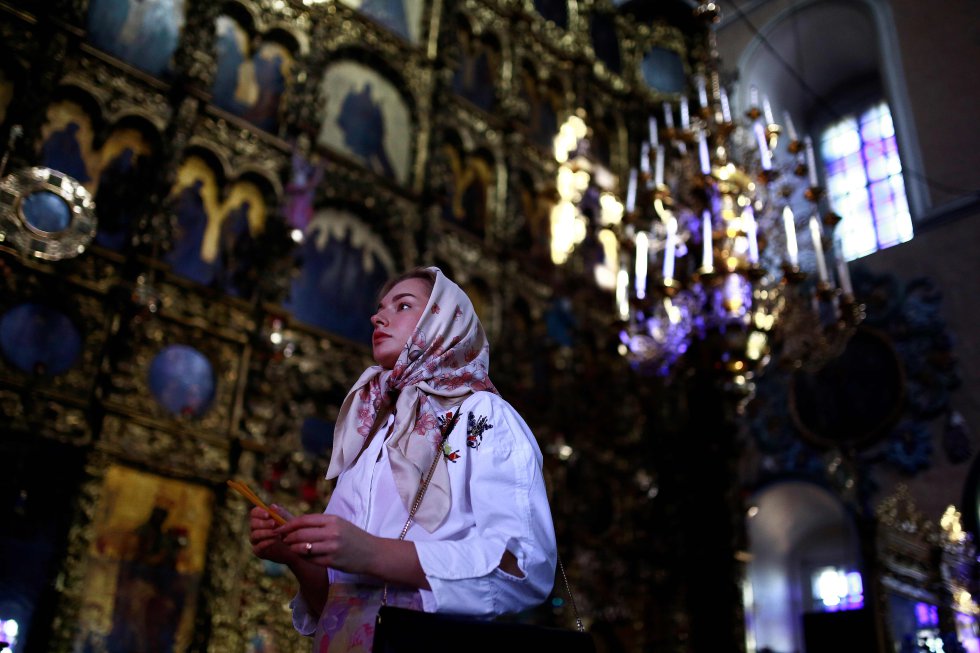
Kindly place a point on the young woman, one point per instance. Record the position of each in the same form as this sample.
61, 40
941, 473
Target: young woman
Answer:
482, 542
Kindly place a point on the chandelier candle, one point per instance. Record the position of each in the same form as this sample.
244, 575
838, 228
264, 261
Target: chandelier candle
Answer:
817, 236
792, 252
707, 256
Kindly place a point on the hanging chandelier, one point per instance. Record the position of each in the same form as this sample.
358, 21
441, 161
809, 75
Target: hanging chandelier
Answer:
723, 247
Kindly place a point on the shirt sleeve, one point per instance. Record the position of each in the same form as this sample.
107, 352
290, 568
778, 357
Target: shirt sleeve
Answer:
303, 621
504, 490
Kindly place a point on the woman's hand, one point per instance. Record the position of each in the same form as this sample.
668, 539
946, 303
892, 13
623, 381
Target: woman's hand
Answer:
331, 541
265, 539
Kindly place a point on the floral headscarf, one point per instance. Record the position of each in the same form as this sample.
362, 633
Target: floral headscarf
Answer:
444, 361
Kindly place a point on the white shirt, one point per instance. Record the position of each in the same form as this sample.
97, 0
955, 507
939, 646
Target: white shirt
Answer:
498, 503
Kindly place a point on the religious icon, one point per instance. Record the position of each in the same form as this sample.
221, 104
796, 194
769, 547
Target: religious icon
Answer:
301, 190
124, 182
475, 74
365, 117
663, 70
145, 563
403, 17
247, 84
215, 239
343, 265
466, 203
66, 142
143, 33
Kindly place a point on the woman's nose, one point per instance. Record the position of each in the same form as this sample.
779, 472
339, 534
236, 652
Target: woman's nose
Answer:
377, 320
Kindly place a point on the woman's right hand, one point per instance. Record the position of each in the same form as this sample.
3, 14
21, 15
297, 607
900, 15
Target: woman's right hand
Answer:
266, 542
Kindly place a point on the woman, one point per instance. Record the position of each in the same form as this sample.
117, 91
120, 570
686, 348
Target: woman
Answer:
482, 542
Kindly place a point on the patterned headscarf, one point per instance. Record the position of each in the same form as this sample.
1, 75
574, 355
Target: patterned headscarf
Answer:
444, 361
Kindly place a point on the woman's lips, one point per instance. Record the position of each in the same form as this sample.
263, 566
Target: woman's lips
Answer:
378, 337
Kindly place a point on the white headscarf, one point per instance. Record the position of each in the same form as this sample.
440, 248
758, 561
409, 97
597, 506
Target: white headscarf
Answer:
444, 361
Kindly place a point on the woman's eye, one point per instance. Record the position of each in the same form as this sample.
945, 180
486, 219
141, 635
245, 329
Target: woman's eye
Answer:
403, 305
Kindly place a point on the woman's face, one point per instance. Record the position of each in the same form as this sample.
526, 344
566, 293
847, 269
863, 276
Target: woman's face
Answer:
398, 313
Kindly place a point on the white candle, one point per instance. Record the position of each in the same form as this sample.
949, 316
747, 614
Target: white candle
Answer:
631, 192
703, 153
765, 156
811, 162
753, 97
792, 252
845, 275
658, 172
752, 233
817, 237
668, 115
685, 114
707, 253
767, 111
702, 91
790, 127
645, 158
726, 109
654, 136
642, 258
670, 248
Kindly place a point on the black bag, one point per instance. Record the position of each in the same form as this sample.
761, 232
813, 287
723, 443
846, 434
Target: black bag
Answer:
398, 630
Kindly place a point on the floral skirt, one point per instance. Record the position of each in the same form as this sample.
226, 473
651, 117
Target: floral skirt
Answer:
347, 622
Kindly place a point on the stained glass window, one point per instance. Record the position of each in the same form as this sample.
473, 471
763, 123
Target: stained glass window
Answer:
864, 182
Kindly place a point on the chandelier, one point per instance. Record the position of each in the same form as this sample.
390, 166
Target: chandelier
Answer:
723, 247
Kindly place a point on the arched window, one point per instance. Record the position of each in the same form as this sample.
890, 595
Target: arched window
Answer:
864, 181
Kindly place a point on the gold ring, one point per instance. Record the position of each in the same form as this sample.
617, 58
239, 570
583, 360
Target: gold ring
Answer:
309, 548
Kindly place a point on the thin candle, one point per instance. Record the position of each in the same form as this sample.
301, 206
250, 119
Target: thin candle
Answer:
765, 156
668, 115
685, 114
670, 248
752, 233
631, 192
645, 158
654, 136
792, 251
844, 273
726, 109
811, 162
703, 153
753, 96
658, 171
790, 127
642, 258
817, 237
702, 88
707, 253
767, 111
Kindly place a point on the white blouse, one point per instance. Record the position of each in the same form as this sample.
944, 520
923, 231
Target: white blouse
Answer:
498, 503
